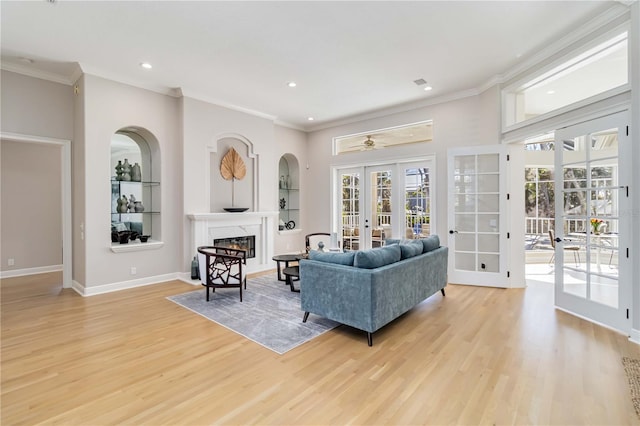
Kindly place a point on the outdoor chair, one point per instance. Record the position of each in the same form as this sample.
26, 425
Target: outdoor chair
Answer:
574, 249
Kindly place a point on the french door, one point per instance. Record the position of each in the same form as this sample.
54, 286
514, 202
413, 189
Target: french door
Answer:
477, 216
591, 232
383, 201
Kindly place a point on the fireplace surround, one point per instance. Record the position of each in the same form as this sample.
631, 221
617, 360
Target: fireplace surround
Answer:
208, 227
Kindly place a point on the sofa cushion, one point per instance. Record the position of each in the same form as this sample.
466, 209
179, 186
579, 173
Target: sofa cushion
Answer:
432, 242
339, 258
410, 249
374, 258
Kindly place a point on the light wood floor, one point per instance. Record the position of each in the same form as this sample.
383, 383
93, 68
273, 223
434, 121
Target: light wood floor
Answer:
477, 356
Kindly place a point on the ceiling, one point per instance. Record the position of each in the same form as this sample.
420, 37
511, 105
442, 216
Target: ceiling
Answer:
347, 58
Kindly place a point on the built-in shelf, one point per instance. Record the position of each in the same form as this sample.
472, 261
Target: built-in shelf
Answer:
136, 246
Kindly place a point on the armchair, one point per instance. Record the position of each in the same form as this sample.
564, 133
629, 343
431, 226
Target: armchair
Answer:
222, 267
311, 240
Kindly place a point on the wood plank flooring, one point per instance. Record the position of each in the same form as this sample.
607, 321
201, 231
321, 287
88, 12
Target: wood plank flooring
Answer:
477, 356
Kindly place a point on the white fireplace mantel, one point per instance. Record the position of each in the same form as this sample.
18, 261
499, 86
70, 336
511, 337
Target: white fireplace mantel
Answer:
207, 226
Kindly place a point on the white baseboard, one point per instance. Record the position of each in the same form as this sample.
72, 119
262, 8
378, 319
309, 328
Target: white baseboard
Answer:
635, 336
123, 285
30, 271
186, 277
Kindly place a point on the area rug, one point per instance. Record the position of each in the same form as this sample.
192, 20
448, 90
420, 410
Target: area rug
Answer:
632, 368
269, 313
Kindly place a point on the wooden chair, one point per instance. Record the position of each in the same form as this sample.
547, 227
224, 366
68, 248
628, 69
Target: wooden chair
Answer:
574, 249
311, 240
222, 267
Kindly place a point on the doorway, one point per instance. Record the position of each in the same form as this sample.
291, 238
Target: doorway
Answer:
66, 227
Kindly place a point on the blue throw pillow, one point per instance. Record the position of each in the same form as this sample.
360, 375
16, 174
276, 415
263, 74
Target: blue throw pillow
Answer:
410, 249
339, 258
432, 242
374, 258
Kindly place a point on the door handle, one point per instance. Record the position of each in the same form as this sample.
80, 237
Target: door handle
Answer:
451, 231
558, 240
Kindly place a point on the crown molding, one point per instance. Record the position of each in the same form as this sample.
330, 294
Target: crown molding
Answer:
188, 93
30, 71
118, 78
405, 107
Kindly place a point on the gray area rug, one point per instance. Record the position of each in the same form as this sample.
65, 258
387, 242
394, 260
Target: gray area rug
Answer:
269, 313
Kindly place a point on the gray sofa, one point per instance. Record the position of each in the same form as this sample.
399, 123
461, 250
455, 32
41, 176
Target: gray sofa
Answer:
370, 288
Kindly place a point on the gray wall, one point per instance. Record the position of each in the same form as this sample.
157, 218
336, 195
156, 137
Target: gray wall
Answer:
31, 205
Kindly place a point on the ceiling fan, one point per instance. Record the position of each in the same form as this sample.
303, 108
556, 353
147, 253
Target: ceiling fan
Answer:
369, 144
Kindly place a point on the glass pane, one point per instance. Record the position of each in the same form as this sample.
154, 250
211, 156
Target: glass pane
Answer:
488, 222
417, 201
595, 71
604, 290
465, 222
381, 199
491, 262
489, 243
489, 203
465, 242
488, 183
575, 282
465, 203
465, 261
464, 164
575, 203
350, 211
488, 163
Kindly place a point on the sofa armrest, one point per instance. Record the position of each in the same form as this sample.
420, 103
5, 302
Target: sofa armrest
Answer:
337, 292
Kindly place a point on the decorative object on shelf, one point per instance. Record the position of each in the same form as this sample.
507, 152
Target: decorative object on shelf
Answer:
126, 170
235, 209
231, 168
282, 182
123, 204
123, 237
595, 225
138, 207
195, 270
144, 238
131, 205
119, 170
136, 173
134, 236
283, 203
281, 225
290, 225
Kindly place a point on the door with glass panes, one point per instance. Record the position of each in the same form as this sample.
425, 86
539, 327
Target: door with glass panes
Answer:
477, 204
591, 264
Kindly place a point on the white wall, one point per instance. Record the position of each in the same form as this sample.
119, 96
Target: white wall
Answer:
203, 124
31, 176
108, 107
469, 121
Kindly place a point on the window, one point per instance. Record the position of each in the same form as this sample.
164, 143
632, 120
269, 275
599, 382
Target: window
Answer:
382, 139
589, 73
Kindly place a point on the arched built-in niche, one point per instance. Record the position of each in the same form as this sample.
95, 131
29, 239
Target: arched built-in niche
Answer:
139, 149
233, 193
289, 192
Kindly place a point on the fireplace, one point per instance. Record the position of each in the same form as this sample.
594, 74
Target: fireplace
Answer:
247, 243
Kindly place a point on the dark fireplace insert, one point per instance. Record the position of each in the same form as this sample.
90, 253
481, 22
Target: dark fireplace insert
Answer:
247, 243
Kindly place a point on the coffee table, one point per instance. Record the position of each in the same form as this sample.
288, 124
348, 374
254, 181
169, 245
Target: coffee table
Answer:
290, 273
284, 258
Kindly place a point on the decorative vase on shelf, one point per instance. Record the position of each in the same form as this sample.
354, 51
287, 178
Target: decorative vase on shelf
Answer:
282, 184
131, 205
119, 170
126, 170
139, 208
123, 204
136, 173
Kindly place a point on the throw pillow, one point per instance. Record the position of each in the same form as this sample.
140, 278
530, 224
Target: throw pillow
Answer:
432, 242
339, 258
374, 258
410, 249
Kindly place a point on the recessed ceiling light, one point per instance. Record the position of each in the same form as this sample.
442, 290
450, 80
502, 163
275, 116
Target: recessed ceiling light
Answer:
146, 65
292, 84
427, 88
550, 92
310, 118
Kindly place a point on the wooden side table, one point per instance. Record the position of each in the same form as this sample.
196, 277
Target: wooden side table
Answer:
290, 273
284, 258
